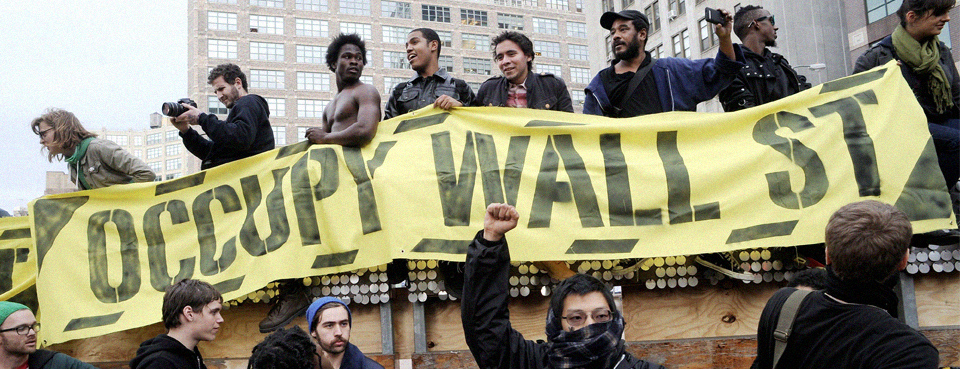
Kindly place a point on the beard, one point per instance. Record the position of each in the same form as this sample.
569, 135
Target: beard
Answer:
770, 43
333, 350
632, 51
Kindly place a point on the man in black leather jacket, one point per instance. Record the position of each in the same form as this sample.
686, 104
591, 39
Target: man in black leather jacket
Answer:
584, 327
432, 84
768, 76
519, 86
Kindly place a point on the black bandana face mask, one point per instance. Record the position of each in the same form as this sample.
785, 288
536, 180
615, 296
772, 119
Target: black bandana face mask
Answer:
598, 345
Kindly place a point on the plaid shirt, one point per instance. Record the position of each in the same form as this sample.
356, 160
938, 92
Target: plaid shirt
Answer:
517, 95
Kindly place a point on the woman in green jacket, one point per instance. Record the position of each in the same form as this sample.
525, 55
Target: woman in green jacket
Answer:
93, 162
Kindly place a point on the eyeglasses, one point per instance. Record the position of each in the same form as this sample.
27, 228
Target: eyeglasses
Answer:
773, 22
23, 329
579, 318
44, 132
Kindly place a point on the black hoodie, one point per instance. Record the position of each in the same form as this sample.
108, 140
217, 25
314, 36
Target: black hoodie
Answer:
246, 132
163, 352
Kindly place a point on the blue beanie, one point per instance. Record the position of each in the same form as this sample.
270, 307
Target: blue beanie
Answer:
312, 310
8, 307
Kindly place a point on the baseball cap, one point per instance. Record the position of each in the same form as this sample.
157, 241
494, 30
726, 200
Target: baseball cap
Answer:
606, 20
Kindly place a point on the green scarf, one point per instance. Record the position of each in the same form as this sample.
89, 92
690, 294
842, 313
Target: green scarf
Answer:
75, 160
925, 59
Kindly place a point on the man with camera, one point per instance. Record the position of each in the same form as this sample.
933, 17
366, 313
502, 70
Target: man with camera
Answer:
246, 132
768, 76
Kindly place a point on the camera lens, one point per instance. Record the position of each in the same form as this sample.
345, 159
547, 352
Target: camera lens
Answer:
172, 109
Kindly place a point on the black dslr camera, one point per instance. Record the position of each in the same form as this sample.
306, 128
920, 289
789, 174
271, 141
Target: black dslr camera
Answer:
174, 109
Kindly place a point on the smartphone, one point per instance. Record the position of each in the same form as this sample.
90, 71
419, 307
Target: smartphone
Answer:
713, 16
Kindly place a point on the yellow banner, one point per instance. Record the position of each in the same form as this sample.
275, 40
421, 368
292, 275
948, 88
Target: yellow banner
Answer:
586, 187
18, 262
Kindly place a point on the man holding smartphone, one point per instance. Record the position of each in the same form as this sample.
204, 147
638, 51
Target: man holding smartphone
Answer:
768, 76
636, 84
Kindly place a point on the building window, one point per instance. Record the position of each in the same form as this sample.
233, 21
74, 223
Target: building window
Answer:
156, 167
266, 24
577, 29
117, 139
550, 68
172, 176
878, 9
578, 96
354, 7
708, 37
434, 13
366, 80
627, 3
154, 138
475, 42
677, 7
389, 83
221, 21
279, 135
311, 27
267, 3
173, 150
580, 75
395, 9
510, 21
313, 81
657, 52
547, 49
473, 17
395, 35
172, 135
138, 153
137, 140
214, 106
578, 52
312, 5
446, 62
173, 164
546, 26
681, 44
268, 51
446, 38
476, 66
266, 79
607, 6
277, 106
475, 86
362, 29
153, 153
579, 5
307, 108
557, 4
311, 54
652, 12
395, 60
302, 132
517, 3
221, 49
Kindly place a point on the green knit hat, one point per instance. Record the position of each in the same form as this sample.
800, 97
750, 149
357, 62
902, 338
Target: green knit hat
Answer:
7, 308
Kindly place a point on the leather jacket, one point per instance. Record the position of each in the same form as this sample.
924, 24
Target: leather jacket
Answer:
544, 91
419, 92
756, 84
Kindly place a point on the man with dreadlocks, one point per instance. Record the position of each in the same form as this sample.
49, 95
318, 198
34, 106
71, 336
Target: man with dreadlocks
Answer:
584, 327
285, 349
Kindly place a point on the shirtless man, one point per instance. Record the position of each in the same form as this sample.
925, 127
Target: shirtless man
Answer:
352, 117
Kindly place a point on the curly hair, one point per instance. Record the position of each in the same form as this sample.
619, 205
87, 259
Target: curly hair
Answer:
333, 51
526, 46
286, 348
67, 131
230, 73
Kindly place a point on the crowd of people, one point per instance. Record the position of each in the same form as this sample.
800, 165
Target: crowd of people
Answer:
848, 321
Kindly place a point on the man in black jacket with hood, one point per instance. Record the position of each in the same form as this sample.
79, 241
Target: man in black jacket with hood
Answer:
584, 327
246, 132
191, 313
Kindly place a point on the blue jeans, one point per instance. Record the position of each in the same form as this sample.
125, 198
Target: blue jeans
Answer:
946, 140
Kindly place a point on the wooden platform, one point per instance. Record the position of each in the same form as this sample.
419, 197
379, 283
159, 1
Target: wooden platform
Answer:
702, 327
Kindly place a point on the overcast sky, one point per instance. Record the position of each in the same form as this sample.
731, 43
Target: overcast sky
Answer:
110, 62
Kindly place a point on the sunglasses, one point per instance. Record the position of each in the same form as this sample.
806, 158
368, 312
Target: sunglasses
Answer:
761, 19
